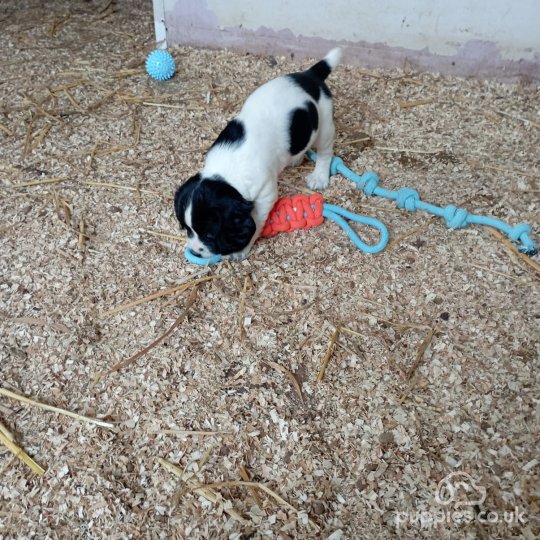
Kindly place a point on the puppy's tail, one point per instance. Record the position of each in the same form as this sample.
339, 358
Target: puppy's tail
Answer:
324, 67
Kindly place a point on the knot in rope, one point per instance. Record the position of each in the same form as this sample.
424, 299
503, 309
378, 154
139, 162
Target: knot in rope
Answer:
407, 199
518, 230
298, 212
371, 181
455, 217
335, 164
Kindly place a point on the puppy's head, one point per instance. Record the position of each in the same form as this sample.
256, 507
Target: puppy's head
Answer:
215, 215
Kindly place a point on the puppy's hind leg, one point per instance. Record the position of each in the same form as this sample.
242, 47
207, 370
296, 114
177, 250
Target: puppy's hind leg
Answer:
324, 143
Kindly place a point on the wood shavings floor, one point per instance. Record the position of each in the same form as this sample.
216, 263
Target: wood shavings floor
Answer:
364, 450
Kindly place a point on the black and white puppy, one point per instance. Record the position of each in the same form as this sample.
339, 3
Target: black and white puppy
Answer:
224, 207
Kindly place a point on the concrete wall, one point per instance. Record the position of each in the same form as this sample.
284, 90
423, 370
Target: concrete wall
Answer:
483, 38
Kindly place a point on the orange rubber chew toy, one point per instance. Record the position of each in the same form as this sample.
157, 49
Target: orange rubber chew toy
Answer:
297, 212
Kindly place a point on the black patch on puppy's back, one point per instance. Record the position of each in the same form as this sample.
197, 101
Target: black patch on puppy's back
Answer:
310, 83
234, 133
303, 123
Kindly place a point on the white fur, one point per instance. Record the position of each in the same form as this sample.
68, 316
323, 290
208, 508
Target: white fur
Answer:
253, 167
194, 243
333, 58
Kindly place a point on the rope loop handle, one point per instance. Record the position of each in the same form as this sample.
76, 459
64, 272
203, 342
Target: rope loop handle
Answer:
337, 215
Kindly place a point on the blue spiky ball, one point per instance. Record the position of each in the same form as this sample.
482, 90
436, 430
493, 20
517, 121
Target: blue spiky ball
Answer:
160, 65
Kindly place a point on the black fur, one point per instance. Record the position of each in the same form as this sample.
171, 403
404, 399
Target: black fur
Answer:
303, 123
221, 217
312, 80
183, 196
321, 70
233, 133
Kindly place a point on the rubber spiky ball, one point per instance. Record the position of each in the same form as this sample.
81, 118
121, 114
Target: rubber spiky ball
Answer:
160, 65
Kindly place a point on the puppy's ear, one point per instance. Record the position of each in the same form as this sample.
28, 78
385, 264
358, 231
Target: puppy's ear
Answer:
240, 209
183, 196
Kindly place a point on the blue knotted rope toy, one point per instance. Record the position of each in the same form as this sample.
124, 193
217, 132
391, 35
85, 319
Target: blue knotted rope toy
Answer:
409, 199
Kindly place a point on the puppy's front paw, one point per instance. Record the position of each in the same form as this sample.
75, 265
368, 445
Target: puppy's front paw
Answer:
317, 181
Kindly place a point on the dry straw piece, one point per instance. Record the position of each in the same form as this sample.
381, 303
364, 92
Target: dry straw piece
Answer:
6, 130
255, 485
516, 255
289, 375
194, 433
416, 103
400, 326
206, 492
497, 273
246, 478
409, 150
166, 235
13, 395
329, 352
418, 360
420, 353
481, 165
410, 232
241, 308
526, 121
124, 363
119, 186
38, 183
177, 288
7, 439
80, 242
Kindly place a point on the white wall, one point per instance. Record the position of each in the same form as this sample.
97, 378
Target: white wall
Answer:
469, 37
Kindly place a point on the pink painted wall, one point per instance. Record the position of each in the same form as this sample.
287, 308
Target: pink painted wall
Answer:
481, 38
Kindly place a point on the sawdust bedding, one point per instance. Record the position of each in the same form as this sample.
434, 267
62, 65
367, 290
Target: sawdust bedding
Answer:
432, 347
